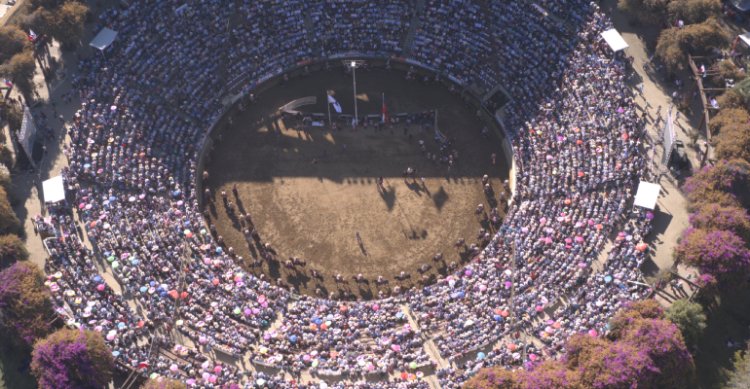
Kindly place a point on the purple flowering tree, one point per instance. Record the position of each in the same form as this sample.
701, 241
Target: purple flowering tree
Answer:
726, 183
721, 254
717, 217
664, 344
24, 302
616, 365
632, 311
72, 359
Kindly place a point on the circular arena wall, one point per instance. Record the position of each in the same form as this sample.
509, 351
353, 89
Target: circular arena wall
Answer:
382, 240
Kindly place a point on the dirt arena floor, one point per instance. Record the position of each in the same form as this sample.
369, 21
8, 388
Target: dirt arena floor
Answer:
311, 191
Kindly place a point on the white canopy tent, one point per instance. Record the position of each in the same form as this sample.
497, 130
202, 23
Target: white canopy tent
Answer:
647, 195
103, 39
53, 190
615, 41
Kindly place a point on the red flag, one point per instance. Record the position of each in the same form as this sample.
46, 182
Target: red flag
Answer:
384, 111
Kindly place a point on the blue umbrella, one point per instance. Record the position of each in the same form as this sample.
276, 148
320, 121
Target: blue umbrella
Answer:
293, 338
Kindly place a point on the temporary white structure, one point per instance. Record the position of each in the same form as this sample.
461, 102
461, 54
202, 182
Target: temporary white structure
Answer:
103, 39
53, 190
647, 195
614, 40
27, 134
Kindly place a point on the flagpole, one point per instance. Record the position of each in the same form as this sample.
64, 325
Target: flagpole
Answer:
382, 114
328, 105
354, 83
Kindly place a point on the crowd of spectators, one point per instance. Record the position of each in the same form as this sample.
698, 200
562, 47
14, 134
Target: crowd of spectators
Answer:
147, 105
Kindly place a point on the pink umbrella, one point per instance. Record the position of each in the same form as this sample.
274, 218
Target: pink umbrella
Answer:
375, 307
217, 369
396, 348
100, 287
579, 239
533, 357
593, 332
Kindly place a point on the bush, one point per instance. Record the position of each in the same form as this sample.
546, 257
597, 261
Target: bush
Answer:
689, 318
12, 249
721, 254
693, 11
24, 302
9, 223
716, 217
72, 359
674, 44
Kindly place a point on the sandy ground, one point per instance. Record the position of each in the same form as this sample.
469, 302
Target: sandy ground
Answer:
310, 191
672, 216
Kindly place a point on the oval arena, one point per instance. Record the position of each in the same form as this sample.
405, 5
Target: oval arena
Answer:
196, 87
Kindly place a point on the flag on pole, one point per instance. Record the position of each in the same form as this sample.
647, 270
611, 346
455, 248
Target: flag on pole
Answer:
8, 83
336, 105
384, 111
32, 35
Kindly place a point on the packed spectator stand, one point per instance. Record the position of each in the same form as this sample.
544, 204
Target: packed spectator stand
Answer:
148, 104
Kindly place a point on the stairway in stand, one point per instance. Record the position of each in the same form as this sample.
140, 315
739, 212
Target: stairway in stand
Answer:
414, 25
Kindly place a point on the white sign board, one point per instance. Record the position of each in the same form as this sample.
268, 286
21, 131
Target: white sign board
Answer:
614, 40
53, 190
647, 195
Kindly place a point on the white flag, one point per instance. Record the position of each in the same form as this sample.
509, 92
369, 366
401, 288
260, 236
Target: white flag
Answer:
336, 105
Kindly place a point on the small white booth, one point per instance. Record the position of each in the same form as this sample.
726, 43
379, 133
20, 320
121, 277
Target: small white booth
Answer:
53, 190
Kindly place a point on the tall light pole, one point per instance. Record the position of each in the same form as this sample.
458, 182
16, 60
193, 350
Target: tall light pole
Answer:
353, 64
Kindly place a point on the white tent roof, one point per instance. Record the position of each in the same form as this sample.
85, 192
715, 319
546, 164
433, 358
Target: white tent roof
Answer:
647, 195
745, 38
53, 190
103, 39
614, 40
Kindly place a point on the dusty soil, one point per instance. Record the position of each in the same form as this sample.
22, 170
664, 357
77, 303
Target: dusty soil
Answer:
311, 190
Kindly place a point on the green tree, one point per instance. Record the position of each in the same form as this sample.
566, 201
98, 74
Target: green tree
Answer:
693, 11
12, 249
645, 11
689, 318
72, 359
739, 377
68, 23
20, 68
9, 223
674, 44
12, 42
